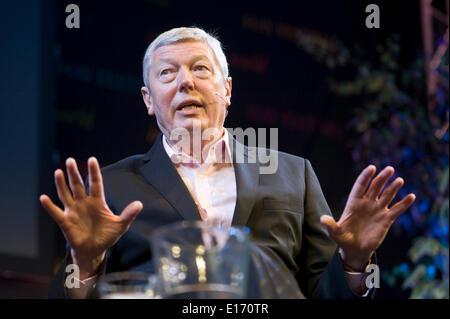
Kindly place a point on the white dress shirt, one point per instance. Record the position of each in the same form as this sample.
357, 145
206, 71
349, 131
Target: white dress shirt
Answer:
212, 184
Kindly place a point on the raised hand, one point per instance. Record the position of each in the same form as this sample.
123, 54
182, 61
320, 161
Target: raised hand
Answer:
88, 224
367, 216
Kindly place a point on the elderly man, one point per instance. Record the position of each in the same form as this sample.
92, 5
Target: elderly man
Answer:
298, 249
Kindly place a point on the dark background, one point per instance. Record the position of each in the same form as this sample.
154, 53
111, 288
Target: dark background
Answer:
90, 102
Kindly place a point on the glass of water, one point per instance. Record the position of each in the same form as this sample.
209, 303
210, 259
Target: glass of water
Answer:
129, 285
196, 260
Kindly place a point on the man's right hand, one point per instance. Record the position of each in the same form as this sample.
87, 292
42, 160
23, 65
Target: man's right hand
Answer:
88, 224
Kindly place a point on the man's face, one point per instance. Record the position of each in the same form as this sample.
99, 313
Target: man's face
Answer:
186, 84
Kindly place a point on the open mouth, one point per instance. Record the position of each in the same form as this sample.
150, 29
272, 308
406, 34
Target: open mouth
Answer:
190, 107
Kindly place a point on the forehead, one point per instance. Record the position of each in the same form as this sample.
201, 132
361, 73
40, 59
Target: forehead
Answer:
183, 52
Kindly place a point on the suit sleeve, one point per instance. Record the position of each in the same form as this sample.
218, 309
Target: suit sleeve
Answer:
57, 288
321, 274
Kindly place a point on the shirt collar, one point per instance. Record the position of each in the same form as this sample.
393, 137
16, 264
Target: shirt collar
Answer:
219, 153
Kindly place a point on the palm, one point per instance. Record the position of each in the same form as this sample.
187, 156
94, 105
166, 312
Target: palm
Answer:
91, 227
367, 217
364, 231
88, 224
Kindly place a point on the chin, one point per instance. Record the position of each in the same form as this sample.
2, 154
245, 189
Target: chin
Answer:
189, 124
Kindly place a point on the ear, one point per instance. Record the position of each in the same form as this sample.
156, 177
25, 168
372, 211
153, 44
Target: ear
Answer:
228, 88
147, 100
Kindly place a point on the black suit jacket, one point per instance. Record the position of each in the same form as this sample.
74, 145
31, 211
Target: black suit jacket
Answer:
291, 253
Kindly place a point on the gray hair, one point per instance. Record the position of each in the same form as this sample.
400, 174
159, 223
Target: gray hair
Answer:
183, 35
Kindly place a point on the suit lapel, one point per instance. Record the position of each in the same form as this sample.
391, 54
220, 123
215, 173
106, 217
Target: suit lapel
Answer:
247, 181
159, 171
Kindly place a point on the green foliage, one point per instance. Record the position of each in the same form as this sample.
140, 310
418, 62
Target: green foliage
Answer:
393, 127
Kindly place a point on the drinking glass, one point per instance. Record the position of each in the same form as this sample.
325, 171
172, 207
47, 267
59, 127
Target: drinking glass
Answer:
129, 285
196, 260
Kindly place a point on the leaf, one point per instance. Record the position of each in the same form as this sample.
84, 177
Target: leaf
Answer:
422, 290
433, 289
443, 213
424, 247
440, 291
413, 280
443, 183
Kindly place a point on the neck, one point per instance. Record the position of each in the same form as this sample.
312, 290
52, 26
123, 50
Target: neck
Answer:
196, 143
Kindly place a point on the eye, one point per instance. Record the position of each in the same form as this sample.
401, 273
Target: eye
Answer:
165, 72
201, 68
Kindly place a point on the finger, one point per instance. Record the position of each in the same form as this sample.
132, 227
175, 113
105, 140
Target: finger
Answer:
330, 224
95, 179
130, 212
391, 191
54, 211
379, 182
64, 194
402, 206
75, 181
361, 183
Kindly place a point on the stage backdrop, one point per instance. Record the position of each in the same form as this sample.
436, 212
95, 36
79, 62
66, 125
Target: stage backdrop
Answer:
341, 94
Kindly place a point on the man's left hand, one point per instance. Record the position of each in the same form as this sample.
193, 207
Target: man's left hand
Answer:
367, 216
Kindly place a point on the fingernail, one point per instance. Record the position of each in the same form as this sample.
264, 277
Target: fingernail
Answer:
138, 205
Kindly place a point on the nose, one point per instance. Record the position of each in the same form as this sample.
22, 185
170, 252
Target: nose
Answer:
185, 80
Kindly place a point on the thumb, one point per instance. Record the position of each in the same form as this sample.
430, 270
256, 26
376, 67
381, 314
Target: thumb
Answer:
330, 224
130, 212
